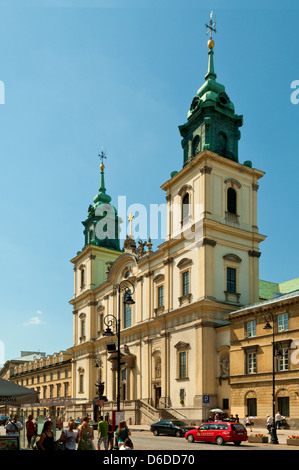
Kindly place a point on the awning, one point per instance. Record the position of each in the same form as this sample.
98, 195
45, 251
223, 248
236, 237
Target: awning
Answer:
13, 394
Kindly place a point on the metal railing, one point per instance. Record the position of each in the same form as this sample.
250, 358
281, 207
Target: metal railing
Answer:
173, 409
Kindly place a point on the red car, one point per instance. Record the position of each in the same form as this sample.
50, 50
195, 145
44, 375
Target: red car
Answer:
219, 432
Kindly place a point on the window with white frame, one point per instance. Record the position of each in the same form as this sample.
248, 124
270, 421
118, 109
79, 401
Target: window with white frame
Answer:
283, 322
251, 363
251, 329
283, 360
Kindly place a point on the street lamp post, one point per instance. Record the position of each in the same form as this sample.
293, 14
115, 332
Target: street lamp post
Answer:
127, 288
268, 318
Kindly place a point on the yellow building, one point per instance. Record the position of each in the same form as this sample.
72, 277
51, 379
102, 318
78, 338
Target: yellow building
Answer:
50, 375
175, 339
253, 358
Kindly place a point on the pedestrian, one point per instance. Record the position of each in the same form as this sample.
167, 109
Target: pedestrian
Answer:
216, 417
127, 445
14, 427
248, 423
277, 420
46, 441
86, 435
237, 419
30, 430
269, 423
232, 419
122, 433
70, 436
102, 433
110, 435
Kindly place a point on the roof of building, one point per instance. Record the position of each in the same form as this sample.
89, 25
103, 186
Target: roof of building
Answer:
267, 290
276, 299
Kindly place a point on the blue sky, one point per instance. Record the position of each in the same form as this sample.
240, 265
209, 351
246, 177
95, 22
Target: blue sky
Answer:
80, 76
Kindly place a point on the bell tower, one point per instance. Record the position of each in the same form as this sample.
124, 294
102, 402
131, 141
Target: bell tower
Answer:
211, 121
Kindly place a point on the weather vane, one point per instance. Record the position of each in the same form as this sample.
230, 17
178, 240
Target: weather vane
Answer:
211, 25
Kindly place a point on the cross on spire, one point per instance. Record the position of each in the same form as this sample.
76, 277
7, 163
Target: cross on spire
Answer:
102, 155
211, 25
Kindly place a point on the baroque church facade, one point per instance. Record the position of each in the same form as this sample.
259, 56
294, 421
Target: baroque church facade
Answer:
175, 338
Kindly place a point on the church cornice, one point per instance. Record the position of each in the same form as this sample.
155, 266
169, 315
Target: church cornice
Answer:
204, 157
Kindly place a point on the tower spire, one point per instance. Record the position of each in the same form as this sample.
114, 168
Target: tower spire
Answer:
102, 155
211, 28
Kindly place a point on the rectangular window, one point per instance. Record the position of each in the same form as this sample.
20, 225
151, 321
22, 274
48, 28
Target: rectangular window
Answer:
81, 383
225, 404
283, 322
66, 390
186, 283
283, 361
128, 316
284, 406
183, 365
83, 328
251, 363
231, 276
251, 407
251, 329
160, 296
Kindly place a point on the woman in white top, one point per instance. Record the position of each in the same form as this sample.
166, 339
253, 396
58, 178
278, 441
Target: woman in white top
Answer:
70, 436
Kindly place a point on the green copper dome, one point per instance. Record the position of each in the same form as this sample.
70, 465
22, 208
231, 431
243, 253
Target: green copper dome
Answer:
102, 223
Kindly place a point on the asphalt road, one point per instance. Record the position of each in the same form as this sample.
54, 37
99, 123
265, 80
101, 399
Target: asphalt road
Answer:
147, 441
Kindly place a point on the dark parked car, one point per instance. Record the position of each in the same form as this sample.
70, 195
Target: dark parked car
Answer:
171, 428
3, 420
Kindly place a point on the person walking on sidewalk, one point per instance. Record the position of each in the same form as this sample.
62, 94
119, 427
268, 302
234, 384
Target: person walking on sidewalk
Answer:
30, 430
86, 435
122, 433
103, 433
277, 420
70, 436
14, 427
110, 435
269, 423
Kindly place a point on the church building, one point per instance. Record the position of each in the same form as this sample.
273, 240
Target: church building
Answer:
175, 338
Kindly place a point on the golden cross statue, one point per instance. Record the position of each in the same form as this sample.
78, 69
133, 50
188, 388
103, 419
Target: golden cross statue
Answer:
131, 217
211, 25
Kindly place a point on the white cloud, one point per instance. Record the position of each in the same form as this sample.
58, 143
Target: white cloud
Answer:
34, 320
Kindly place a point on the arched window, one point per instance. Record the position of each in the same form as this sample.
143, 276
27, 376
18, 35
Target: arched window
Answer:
231, 201
185, 206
